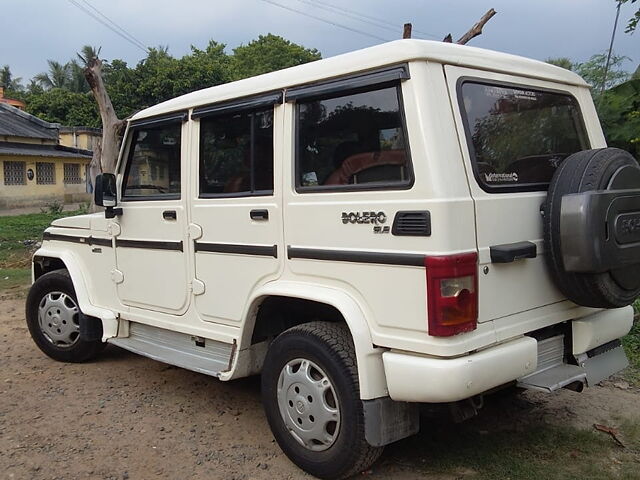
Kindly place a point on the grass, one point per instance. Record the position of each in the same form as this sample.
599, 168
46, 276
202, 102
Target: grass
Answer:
19, 233
632, 346
517, 437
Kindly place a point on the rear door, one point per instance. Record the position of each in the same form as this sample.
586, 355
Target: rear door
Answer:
514, 132
236, 217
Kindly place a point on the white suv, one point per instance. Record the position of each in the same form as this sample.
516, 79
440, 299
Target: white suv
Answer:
413, 222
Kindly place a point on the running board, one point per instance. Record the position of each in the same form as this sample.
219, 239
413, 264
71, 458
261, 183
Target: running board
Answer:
553, 378
182, 350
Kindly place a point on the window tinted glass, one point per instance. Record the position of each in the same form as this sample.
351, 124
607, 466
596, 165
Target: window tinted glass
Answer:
236, 153
356, 139
154, 162
520, 136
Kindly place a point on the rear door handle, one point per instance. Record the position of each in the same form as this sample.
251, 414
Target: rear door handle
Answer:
509, 252
170, 215
259, 214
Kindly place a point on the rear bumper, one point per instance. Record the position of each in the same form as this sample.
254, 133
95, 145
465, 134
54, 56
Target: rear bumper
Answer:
418, 378
413, 378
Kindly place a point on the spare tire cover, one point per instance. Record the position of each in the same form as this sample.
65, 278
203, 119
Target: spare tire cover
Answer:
605, 169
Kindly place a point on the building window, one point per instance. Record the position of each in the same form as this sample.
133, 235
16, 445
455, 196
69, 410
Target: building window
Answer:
15, 173
72, 173
45, 173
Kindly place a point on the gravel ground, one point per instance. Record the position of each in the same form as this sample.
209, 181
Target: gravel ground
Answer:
125, 416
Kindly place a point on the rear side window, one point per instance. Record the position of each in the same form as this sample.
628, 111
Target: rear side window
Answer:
519, 136
153, 169
352, 141
236, 154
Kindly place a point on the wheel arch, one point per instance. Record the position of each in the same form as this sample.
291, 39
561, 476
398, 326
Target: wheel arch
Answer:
371, 375
48, 259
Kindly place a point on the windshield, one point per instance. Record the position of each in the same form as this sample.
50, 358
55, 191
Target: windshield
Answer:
518, 136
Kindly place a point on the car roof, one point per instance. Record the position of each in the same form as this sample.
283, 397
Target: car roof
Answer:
390, 53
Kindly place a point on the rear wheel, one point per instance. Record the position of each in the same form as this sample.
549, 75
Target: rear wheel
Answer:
53, 318
311, 398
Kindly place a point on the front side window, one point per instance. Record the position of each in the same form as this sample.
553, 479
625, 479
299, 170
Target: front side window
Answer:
153, 169
352, 141
236, 154
518, 135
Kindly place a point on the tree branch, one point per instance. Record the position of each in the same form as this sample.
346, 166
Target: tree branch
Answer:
477, 28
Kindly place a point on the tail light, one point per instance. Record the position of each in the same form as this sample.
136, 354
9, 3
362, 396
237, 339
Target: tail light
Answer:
452, 294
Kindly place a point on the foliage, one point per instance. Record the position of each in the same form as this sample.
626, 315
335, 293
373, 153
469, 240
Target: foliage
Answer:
593, 71
619, 111
60, 94
563, 62
59, 105
633, 21
269, 53
8, 81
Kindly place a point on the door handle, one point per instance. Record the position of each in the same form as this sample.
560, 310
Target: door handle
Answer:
509, 252
170, 215
259, 214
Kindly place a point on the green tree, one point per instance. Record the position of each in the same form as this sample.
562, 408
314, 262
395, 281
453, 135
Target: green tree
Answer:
563, 62
58, 76
633, 21
62, 106
593, 71
8, 81
77, 82
268, 53
619, 111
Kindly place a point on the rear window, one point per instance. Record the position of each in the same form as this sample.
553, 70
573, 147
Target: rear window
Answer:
519, 136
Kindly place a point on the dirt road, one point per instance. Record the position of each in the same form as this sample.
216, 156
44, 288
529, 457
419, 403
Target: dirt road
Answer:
125, 416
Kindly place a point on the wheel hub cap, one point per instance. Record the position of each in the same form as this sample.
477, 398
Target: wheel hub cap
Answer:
58, 318
308, 404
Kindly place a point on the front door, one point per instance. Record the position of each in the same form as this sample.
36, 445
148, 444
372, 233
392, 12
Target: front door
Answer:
151, 267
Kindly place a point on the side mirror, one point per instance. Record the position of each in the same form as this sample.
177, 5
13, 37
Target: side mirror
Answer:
105, 191
105, 194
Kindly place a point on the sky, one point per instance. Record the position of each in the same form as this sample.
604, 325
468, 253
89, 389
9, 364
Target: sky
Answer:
32, 31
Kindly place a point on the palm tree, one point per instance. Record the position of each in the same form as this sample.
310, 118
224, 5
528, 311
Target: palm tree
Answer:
59, 75
8, 81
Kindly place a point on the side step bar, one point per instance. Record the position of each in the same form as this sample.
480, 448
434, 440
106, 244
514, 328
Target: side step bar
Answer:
182, 350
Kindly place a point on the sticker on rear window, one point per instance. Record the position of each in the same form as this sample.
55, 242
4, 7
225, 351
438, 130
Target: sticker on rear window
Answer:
501, 177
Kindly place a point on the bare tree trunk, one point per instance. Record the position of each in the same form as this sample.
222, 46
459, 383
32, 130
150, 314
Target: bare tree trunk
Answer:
111, 124
477, 28
406, 31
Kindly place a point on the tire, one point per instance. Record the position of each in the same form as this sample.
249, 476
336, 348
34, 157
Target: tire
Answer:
52, 297
582, 172
324, 355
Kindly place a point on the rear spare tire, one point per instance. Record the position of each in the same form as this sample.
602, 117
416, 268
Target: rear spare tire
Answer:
592, 228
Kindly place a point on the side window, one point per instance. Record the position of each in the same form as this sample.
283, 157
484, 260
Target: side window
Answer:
352, 141
153, 168
236, 154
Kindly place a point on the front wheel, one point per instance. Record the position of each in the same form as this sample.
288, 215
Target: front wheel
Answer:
53, 318
311, 397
